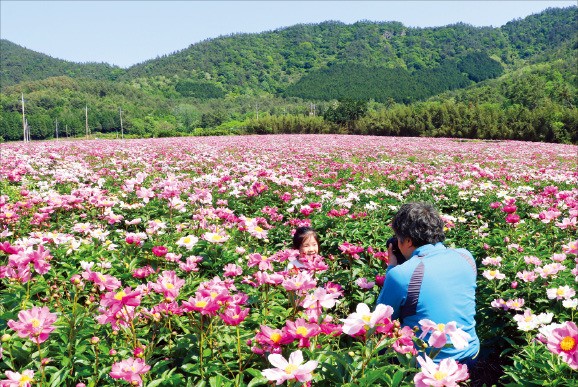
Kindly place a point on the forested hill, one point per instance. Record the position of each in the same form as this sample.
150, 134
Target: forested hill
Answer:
273, 60
312, 78
18, 64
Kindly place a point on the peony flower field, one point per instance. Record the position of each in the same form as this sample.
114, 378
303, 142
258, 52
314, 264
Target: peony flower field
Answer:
164, 262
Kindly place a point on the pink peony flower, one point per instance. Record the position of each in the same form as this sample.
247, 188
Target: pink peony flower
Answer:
130, 370
439, 333
190, 264
561, 292
289, 370
351, 249
301, 282
232, 270
214, 237
262, 261
515, 304
495, 261
203, 304
125, 297
363, 318
16, 379
447, 373
273, 337
493, 274
567, 222
563, 341
321, 297
103, 281
404, 344
499, 304
143, 272
168, 284
527, 276
302, 330
571, 247
234, 315
35, 324
364, 284
187, 241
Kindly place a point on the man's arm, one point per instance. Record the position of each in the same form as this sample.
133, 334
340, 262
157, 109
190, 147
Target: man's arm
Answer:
393, 292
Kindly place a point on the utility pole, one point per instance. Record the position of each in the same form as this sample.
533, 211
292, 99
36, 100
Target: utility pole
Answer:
121, 129
57, 128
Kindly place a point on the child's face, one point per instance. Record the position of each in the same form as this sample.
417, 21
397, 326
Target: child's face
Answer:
309, 246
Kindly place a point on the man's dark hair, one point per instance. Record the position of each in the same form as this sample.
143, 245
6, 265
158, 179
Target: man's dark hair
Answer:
420, 222
301, 234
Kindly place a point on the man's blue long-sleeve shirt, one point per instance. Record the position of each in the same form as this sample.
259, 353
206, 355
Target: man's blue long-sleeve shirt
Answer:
446, 292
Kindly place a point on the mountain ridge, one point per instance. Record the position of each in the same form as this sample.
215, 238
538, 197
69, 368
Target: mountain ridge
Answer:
229, 80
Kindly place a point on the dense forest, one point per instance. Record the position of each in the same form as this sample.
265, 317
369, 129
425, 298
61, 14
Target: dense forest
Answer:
517, 81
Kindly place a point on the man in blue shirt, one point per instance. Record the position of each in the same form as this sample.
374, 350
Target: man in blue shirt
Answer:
435, 282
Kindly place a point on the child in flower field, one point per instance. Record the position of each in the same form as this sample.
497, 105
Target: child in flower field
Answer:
306, 241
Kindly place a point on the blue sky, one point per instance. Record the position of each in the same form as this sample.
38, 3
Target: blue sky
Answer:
129, 32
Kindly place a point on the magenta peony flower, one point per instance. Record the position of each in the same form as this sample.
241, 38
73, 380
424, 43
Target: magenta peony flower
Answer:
168, 284
234, 315
116, 301
512, 218
35, 324
160, 251
509, 208
273, 338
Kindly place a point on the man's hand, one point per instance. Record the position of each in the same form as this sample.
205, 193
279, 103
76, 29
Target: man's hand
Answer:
391, 256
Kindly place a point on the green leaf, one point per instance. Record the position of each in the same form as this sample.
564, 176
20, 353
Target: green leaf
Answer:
258, 381
58, 377
253, 372
397, 378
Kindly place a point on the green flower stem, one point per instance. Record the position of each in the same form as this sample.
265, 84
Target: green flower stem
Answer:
201, 339
43, 381
72, 332
95, 348
132, 328
239, 350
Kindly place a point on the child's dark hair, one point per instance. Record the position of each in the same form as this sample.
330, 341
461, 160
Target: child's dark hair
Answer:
301, 234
